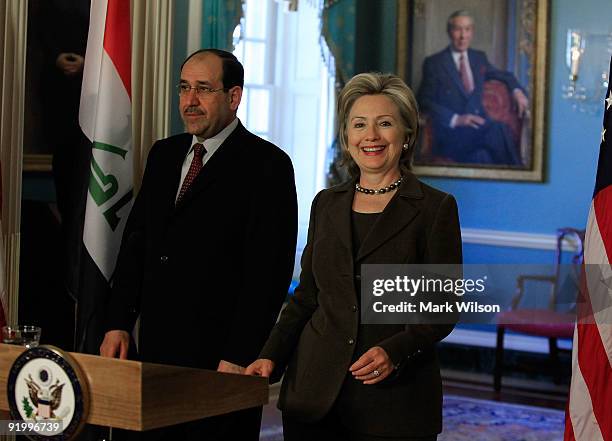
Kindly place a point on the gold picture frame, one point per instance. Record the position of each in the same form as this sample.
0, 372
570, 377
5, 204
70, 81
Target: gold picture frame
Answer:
515, 38
37, 162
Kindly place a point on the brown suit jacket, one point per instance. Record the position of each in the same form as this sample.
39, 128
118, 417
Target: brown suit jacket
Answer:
319, 334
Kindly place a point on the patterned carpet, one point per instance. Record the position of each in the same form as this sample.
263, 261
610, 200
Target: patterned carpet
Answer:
482, 420
469, 419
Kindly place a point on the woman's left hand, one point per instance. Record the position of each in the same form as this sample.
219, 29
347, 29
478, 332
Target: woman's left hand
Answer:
373, 366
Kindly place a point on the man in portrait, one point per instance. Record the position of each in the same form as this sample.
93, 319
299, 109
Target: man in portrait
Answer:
451, 95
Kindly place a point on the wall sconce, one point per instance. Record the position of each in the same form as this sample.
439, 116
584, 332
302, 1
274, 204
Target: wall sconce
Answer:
586, 57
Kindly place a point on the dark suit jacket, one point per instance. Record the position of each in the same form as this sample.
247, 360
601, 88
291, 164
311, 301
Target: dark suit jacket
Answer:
317, 332
209, 275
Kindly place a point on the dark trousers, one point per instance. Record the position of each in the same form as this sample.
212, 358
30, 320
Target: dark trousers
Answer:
491, 143
330, 428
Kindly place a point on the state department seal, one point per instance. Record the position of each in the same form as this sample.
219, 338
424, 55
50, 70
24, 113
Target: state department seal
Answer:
45, 385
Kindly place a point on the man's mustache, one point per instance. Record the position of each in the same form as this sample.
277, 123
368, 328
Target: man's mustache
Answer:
193, 109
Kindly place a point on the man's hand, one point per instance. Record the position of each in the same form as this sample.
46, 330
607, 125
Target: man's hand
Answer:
522, 103
115, 344
229, 368
373, 366
262, 368
469, 120
70, 63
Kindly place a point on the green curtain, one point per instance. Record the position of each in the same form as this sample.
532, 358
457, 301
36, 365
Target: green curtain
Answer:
338, 31
220, 19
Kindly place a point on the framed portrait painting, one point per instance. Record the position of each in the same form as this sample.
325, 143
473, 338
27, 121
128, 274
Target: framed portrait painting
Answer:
478, 68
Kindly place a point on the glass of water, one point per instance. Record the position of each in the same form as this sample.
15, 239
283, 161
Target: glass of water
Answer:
24, 335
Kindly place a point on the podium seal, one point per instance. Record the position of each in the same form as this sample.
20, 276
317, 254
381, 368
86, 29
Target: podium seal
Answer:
47, 394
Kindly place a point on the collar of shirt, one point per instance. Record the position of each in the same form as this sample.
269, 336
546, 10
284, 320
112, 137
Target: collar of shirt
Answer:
456, 56
212, 144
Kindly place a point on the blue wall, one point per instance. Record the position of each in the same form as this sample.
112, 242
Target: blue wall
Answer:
571, 147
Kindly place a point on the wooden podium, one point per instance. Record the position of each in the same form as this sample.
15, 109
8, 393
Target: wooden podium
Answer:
141, 396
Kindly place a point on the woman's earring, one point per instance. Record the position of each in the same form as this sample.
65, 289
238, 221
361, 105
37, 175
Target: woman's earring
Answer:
405, 146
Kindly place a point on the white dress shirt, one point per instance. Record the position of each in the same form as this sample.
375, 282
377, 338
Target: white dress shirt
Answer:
211, 145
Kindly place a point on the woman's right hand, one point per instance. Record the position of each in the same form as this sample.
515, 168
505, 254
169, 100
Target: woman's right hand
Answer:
262, 368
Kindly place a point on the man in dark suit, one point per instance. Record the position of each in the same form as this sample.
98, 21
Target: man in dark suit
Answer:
61, 28
207, 256
451, 94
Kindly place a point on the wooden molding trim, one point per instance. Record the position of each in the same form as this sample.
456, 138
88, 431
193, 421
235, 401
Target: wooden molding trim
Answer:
517, 342
37, 163
152, 24
514, 239
12, 250
13, 24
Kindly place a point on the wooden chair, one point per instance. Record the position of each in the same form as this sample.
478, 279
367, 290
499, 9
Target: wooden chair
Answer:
549, 322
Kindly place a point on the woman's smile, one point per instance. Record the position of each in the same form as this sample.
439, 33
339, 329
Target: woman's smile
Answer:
373, 150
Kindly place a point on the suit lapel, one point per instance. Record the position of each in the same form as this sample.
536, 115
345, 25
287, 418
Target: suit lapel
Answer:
173, 168
218, 166
400, 211
475, 65
339, 213
451, 69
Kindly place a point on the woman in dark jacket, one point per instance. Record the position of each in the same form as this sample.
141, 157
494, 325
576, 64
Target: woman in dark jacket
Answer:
346, 380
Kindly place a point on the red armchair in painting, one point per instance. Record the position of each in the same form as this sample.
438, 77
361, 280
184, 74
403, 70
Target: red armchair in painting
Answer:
499, 105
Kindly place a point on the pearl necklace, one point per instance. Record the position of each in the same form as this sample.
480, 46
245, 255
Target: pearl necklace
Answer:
383, 190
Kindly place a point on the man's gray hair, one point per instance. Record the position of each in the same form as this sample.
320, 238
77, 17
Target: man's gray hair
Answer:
454, 15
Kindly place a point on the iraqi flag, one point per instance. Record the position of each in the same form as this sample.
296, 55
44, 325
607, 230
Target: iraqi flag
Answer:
105, 116
589, 411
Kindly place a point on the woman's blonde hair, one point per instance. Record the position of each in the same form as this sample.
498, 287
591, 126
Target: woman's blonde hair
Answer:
391, 86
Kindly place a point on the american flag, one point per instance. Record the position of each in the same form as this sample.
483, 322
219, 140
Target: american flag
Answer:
589, 411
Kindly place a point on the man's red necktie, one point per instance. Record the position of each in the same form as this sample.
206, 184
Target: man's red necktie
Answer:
463, 73
196, 165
